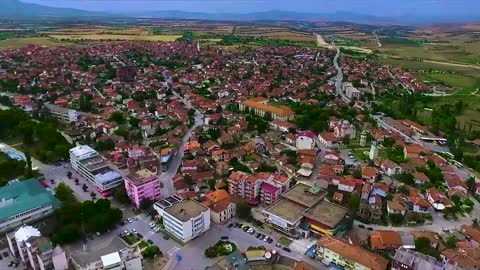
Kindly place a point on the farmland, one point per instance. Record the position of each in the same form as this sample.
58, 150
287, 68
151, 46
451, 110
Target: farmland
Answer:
39, 41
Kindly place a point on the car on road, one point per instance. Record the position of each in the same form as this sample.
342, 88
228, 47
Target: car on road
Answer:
229, 225
166, 237
370, 228
225, 237
150, 242
286, 249
361, 226
139, 235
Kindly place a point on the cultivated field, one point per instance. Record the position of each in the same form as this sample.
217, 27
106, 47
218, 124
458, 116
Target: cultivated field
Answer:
38, 41
110, 37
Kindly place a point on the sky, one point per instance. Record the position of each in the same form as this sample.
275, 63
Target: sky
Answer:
444, 8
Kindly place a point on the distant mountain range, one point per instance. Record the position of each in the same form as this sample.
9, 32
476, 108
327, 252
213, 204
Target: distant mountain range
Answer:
20, 10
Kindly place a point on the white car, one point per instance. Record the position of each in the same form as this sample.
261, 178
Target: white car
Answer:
133, 230
156, 229
266, 238
129, 220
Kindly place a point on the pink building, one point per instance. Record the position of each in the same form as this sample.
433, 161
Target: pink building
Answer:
269, 193
144, 184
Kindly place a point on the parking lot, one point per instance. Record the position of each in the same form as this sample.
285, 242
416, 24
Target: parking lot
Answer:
6, 261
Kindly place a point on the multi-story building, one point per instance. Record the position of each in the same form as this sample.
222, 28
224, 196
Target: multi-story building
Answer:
62, 113
185, 219
269, 193
36, 251
339, 254
260, 107
88, 163
221, 207
244, 185
264, 186
24, 202
144, 184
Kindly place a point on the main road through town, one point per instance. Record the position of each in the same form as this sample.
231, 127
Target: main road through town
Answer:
167, 177
339, 78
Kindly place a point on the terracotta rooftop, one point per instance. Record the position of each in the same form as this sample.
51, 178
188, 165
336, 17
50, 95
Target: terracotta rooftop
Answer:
278, 110
385, 239
353, 253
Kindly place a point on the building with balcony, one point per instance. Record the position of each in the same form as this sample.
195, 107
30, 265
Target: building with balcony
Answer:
144, 184
89, 164
62, 113
339, 254
24, 202
244, 185
185, 219
37, 252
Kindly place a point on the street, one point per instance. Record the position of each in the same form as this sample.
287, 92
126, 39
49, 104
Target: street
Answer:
167, 176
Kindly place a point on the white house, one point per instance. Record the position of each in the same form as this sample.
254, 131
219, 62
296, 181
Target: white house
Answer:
346, 184
305, 140
328, 140
390, 167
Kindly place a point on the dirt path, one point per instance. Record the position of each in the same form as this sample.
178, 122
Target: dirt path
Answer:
451, 64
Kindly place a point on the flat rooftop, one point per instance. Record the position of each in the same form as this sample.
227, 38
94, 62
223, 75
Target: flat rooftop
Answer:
327, 213
186, 210
95, 251
287, 210
83, 151
304, 194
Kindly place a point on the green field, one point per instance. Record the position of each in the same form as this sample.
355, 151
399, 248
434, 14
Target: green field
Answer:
457, 81
39, 41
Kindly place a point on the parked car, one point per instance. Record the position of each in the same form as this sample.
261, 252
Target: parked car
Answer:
246, 228
1, 257
286, 249
129, 220
166, 237
150, 242
139, 235
278, 245
229, 225
156, 229
361, 226
258, 235
135, 218
5, 254
224, 237
90, 237
266, 238
370, 228
270, 240
133, 230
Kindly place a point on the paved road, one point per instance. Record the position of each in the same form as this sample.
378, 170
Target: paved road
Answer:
339, 78
167, 176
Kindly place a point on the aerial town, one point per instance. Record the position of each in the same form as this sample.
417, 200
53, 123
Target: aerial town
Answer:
180, 155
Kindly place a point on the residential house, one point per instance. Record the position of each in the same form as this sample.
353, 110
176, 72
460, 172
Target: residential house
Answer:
381, 240
328, 140
339, 253
370, 174
420, 178
221, 207
305, 140
390, 168
437, 199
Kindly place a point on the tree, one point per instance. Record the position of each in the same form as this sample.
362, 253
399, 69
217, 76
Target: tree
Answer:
422, 243
211, 184
84, 187
28, 171
404, 190
191, 112
406, 178
120, 195
105, 145
475, 224
93, 195
77, 181
65, 194
117, 117
354, 203
452, 242
357, 173
145, 204
85, 102
134, 122
471, 185
151, 251
396, 219
66, 234
69, 174
27, 130
244, 211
